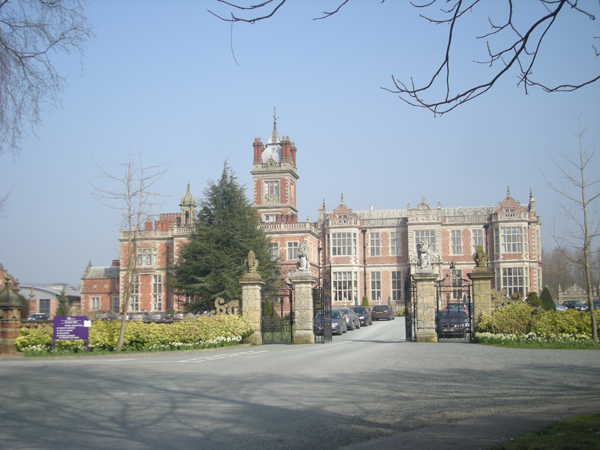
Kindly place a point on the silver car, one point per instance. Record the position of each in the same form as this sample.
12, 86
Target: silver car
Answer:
352, 320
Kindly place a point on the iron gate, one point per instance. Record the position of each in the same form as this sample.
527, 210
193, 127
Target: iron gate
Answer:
322, 311
410, 310
277, 321
454, 308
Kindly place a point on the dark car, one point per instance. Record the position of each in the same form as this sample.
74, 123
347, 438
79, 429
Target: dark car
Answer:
338, 323
452, 324
352, 320
596, 303
38, 316
364, 314
382, 312
457, 307
575, 304
105, 315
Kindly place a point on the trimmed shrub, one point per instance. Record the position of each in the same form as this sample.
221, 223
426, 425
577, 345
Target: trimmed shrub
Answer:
546, 300
365, 301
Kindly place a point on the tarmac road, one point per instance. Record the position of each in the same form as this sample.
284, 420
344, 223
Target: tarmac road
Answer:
367, 384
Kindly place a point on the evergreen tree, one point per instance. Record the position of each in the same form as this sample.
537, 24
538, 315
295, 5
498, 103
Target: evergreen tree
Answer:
63, 305
227, 228
547, 302
365, 301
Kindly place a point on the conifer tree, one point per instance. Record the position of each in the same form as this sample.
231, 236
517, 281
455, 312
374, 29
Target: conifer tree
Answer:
63, 305
227, 228
547, 302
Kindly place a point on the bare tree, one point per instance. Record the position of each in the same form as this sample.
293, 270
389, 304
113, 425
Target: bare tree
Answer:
4, 202
134, 200
510, 46
578, 193
31, 32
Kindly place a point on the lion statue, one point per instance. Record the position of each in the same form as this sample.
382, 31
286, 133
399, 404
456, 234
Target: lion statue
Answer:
303, 265
424, 262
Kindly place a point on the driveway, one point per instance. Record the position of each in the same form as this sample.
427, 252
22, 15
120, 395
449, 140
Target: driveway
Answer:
367, 384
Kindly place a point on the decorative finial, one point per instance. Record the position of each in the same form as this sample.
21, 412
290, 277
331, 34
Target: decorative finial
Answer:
507, 191
423, 200
342, 199
274, 116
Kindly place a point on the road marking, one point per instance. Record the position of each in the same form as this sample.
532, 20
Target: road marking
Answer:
222, 356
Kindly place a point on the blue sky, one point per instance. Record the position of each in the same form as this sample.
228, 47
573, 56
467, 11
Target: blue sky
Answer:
161, 76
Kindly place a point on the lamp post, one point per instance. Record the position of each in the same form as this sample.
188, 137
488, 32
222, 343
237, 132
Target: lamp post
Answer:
364, 233
319, 249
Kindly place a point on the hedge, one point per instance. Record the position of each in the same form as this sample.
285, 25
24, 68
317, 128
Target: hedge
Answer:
202, 332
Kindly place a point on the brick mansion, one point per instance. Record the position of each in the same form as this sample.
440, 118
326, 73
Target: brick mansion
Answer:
367, 253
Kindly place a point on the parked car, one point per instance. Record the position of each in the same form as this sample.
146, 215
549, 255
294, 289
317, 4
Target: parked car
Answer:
457, 307
338, 323
381, 312
596, 303
160, 316
137, 315
352, 320
105, 315
452, 324
38, 316
575, 304
179, 315
364, 314
560, 307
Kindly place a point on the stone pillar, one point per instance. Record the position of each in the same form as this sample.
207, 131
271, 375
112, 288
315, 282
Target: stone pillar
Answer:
425, 302
482, 293
303, 307
10, 318
251, 307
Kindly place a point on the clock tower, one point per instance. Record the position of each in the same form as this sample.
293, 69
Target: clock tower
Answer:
274, 178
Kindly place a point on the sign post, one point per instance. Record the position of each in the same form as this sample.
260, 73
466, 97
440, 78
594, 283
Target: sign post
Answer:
71, 328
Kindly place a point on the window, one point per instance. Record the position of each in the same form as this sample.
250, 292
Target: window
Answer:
157, 284
476, 239
345, 286
292, 250
44, 306
343, 244
427, 236
274, 250
395, 244
157, 304
94, 303
396, 286
144, 257
135, 284
270, 218
456, 280
272, 191
374, 244
134, 303
511, 240
513, 279
455, 242
376, 286
134, 298
114, 304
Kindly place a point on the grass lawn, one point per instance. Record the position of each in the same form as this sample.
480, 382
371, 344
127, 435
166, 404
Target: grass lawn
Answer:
580, 433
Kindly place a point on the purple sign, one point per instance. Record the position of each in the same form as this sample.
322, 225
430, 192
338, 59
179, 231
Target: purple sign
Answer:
71, 328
